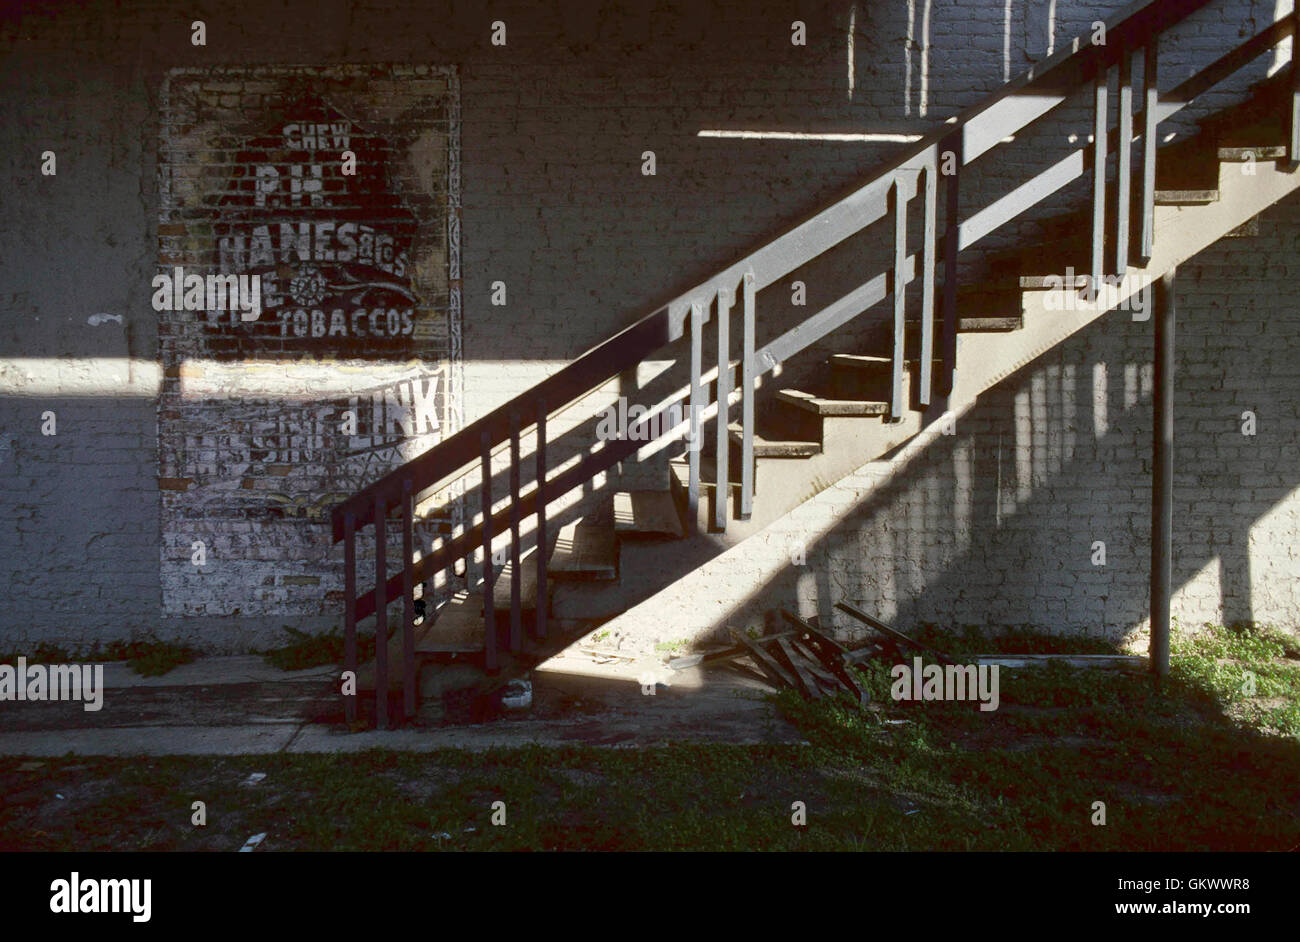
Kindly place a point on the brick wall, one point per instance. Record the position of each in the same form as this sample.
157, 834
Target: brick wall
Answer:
554, 205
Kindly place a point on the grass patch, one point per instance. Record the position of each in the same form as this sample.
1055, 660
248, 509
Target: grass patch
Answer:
305, 650
1196, 763
148, 657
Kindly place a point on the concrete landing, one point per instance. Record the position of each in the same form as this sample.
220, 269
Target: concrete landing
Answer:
233, 706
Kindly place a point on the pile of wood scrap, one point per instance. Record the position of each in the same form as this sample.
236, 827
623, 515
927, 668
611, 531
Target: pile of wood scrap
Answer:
809, 660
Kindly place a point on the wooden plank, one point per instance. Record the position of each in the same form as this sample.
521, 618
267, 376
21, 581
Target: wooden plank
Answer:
765, 662
747, 402
832, 654
786, 656
722, 455
892, 633
585, 551
806, 648
1124, 147
651, 513
724, 654
1103, 661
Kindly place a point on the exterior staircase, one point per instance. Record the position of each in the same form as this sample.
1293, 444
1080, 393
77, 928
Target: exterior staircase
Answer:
942, 345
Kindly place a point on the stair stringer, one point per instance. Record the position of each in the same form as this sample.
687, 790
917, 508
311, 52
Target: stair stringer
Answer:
700, 602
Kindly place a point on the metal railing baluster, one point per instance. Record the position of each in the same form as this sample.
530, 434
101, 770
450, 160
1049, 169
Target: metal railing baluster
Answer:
350, 613
930, 236
747, 402
1151, 99
542, 595
1099, 93
696, 407
723, 440
897, 285
516, 606
408, 600
951, 201
381, 616
1124, 152
489, 604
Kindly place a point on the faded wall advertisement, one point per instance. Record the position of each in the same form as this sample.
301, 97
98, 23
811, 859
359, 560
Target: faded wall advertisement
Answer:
331, 197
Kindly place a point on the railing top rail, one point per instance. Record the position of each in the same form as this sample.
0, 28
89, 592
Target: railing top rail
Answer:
980, 127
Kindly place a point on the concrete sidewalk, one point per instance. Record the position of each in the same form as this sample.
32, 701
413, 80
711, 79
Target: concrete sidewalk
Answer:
240, 705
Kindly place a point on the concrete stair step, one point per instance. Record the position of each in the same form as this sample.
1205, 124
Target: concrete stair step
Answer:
501, 589
837, 407
774, 448
647, 513
585, 550
1186, 197
1253, 152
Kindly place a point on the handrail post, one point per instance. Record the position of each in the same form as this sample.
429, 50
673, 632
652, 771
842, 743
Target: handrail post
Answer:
381, 616
1099, 179
747, 402
899, 287
516, 608
951, 245
925, 376
1294, 151
489, 606
350, 613
723, 489
1124, 149
408, 599
694, 446
540, 457
1151, 99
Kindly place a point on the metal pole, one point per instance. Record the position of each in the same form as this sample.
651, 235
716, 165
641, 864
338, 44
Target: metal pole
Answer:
1162, 476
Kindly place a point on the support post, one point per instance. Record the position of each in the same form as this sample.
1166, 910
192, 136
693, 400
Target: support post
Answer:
1162, 476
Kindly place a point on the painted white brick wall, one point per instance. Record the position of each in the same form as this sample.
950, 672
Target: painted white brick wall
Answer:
554, 125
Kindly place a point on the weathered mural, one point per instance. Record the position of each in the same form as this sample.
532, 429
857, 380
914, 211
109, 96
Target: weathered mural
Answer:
334, 191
